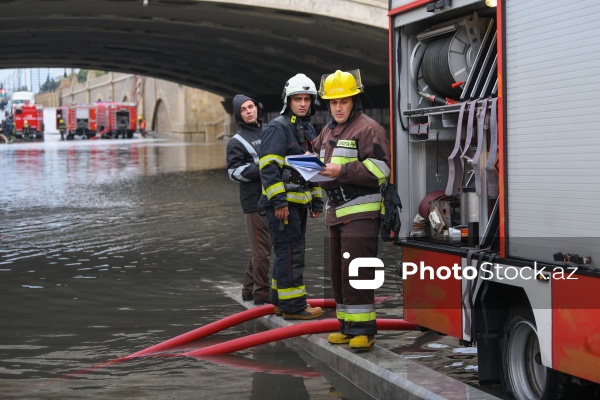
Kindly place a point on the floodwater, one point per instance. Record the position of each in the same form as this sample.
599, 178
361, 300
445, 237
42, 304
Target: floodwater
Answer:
111, 246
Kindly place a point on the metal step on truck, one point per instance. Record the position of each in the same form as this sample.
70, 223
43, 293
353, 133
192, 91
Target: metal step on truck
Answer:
496, 141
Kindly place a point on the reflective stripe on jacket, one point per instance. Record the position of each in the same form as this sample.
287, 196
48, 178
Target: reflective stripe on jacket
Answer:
242, 158
280, 139
361, 147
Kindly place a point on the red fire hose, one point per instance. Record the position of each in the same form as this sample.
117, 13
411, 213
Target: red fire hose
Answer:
228, 322
285, 332
327, 325
207, 330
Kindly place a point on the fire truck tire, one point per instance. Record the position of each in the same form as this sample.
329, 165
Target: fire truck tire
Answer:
524, 377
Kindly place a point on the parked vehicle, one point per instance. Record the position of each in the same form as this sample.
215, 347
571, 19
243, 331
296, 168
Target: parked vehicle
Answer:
497, 167
28, 121
117, 119
22, 97
81, 121
28, 117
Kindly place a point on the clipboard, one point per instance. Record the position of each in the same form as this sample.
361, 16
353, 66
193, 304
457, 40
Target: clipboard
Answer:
308, 166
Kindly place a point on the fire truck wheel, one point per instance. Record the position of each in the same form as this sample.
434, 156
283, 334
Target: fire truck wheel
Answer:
523, 374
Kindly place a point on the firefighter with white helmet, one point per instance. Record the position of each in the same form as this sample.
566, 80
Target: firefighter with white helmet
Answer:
356, 152
287, 197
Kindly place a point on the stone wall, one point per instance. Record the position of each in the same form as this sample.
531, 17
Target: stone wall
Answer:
49, 99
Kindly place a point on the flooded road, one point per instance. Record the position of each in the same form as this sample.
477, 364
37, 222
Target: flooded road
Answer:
108, 247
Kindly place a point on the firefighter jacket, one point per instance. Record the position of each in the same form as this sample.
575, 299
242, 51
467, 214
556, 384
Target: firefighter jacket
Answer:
8, 127
282, 185
242, 158
361, 146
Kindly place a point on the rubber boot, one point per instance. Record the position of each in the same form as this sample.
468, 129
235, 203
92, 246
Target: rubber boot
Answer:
307, 313
362, 342
246, 296
339, 338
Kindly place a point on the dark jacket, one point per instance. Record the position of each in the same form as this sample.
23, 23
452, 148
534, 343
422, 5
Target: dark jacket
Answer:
242, 157
283, 136
8, 126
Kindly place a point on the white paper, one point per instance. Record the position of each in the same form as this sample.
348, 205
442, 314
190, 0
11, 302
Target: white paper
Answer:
308, 166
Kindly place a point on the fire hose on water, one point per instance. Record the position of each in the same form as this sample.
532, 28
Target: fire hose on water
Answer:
299, 329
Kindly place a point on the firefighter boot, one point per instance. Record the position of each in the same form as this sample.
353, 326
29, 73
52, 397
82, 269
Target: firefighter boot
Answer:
307, 313
277, 310
246, 296
339, 338
362, 342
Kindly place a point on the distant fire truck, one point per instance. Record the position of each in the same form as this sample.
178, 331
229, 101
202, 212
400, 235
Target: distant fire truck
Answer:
116, 119
106, 120
81, 121
28, 121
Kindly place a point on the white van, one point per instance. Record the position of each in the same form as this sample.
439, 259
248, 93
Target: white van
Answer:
22, 97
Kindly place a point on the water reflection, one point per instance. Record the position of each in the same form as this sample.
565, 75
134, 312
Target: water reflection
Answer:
109, 247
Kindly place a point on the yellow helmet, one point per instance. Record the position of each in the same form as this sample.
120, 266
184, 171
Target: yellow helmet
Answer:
340, 84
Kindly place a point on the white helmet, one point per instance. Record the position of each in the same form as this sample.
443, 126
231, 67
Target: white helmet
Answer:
298, 84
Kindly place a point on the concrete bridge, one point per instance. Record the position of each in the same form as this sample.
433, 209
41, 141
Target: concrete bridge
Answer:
224, 47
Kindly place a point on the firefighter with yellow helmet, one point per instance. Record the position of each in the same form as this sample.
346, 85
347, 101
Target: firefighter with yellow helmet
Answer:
356, 151
142, 126
62, 128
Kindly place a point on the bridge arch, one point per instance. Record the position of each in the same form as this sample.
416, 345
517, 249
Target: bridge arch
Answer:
224, 47
161, 121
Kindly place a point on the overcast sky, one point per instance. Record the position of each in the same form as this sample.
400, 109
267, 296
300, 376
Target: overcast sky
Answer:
31, 78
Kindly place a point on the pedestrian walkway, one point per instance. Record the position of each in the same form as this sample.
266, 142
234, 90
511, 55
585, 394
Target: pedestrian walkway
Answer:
377, 374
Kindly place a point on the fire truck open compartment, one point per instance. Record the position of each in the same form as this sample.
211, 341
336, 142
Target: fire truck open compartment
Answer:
123, 117
447, 70
444, 63
496, 161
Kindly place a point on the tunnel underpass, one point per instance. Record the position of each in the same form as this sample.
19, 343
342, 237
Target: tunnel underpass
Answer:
224, 47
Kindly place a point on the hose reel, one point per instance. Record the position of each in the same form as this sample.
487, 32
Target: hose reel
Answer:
443, 58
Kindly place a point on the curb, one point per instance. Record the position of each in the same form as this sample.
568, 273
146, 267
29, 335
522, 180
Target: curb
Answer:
376, 374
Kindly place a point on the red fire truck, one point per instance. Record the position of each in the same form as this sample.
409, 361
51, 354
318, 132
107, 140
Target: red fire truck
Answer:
117, 119
496, 162
81, 121
28, 121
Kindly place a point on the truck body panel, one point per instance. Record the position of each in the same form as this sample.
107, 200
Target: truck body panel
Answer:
495, 161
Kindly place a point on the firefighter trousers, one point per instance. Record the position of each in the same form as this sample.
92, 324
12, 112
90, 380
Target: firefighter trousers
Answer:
287, 283
355, 308
256, 280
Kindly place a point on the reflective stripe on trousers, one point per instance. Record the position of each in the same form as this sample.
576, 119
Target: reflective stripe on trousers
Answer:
288, 268
355, 307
